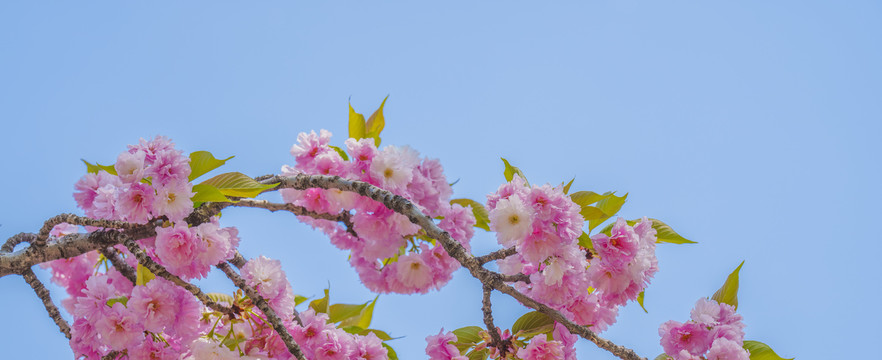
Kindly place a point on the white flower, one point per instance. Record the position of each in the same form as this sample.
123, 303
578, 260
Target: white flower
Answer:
511, 220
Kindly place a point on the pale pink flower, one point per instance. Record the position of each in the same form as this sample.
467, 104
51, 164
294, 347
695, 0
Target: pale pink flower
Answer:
413, 272
207, 349
266, 276
215, 243
394, 167
105, 204
311, 145
173, 201
511, 220
130, 166
725, 349
567, 339
152, 147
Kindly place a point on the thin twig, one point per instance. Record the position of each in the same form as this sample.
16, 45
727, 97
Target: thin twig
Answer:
43, 235
261, 304
496, 255
119, 264
159, 270
497, 341
43, 294
344, 217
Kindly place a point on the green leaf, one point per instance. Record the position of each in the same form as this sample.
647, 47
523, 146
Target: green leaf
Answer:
482, 217
358, 330
583, 198
479, 354
392, 355
585, 241
590, 213
532, 324
667, 235
356, 124
610, 206
221, 298
340, 152
728, 293
205, 193
510, 171
375, 124
299, 299
367, 314
143, 275
760, 351
202, 162
662, 357
340, 312
94, 169
640, 301
237, 184
566, 188
122, 300
321, 305
467, 337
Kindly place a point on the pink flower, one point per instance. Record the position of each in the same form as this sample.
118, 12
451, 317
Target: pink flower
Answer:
105, 204
173, 201
619, 248
154, 304
216, 244
136, 203
439, 347
118, 328
369, 347
413, 272
542, 349
394, 167
130, 166
150, 350
152, 147
693, 338
725, 349
333, 344
567, 339
311, 145
178, 247
169, 166
265, 275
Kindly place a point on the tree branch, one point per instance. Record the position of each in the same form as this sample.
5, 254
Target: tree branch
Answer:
496, 255
261, 303
43, 294
158, 270
119, 264
497, 342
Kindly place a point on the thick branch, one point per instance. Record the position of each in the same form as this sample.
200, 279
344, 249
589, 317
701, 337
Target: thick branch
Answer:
43, 235
43, 294
261, 303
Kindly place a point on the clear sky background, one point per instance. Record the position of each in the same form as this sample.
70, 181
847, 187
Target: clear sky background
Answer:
751, 127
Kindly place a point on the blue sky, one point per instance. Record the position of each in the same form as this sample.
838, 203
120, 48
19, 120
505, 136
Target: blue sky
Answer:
751, 127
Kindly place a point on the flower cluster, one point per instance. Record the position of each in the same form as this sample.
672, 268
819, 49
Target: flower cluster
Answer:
390, 253
714, 332
543, 224
150, 181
